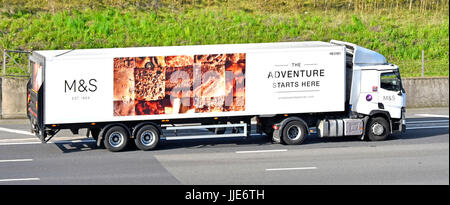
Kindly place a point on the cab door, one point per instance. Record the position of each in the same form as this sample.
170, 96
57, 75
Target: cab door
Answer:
391, 96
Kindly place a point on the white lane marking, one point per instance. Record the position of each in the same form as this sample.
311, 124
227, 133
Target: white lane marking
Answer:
414, 128
16, 160
16, 131
431, 121
19, 139
294, 168
430, 115
35, 139
20, 179
261, 151
19, 143
56, 142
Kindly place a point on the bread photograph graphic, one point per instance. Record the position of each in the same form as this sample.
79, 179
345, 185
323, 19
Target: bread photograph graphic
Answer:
156, 85
149, 79
124, 79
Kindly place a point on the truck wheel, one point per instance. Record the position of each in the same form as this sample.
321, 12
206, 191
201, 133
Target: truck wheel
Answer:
378, 129
294, 133
116, 139
147, 138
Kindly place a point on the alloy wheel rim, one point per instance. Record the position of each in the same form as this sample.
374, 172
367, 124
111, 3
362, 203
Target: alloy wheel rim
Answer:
377, 129
148, 138
116, 139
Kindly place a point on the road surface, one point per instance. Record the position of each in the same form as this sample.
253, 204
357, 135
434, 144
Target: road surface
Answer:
420, 156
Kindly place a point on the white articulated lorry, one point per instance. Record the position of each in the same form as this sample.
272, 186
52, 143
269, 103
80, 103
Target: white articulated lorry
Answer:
293, 89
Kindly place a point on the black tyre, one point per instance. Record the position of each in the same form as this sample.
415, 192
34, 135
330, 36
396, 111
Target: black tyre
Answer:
377, 129
116, 139
147, 137
294, 133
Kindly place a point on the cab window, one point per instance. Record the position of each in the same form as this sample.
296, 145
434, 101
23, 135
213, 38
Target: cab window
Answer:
390, 81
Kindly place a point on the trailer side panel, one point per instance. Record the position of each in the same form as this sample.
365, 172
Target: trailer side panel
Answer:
244, 82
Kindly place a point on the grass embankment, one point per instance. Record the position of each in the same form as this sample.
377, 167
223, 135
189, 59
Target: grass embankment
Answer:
398, 34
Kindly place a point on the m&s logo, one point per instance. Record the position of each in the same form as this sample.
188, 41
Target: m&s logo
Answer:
80, 85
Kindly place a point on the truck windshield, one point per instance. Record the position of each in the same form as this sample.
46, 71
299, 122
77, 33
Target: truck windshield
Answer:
391, 81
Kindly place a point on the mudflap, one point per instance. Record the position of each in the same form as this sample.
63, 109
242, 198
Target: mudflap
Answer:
276, 137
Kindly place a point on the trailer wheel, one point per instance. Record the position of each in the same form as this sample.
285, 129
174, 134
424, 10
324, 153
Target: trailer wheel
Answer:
294, 133
378, 129
147, 137
116, 139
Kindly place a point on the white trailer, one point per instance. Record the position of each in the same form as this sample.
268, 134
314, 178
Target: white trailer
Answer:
292, 88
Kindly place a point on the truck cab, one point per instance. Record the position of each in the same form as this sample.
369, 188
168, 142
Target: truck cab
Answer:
376, 89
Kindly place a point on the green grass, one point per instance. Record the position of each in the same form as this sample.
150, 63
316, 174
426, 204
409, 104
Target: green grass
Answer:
400, 35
